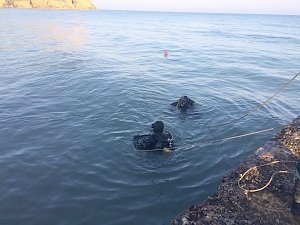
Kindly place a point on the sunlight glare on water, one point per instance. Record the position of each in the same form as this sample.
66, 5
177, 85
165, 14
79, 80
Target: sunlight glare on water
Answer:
77, 85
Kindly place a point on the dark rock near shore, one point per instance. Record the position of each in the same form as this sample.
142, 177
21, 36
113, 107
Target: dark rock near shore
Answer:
239, 203
289, 137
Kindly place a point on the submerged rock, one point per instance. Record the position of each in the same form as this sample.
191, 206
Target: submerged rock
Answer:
238, 202
54, 4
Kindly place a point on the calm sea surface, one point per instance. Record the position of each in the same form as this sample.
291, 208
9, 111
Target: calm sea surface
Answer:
75, 86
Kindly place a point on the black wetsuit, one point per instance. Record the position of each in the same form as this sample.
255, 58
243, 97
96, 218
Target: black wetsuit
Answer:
153, 141
184, 103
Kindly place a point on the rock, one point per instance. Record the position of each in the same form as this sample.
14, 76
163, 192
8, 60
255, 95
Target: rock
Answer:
234, 203
2, 3
289, 137
53, 4
185, 221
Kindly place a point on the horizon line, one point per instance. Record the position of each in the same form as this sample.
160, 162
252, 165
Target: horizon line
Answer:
203, 12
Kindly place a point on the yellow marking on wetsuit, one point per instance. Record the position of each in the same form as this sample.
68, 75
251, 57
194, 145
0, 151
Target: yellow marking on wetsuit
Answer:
168, 149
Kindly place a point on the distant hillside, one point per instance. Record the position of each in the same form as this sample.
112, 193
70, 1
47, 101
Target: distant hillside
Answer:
55, 4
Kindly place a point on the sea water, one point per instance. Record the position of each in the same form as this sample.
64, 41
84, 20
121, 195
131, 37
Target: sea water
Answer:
75, 86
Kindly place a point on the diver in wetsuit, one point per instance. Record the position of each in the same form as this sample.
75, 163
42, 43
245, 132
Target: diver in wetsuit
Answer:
184, 103
157, 139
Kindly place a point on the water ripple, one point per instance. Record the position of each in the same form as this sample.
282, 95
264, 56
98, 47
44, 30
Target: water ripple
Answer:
74, 92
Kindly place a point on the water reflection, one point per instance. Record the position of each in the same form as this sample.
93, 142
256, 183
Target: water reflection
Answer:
48, 36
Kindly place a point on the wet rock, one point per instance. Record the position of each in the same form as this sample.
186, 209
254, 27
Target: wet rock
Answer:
234, 204
184, 221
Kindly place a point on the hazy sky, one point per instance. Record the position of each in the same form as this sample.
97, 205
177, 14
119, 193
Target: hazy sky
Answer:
223, 6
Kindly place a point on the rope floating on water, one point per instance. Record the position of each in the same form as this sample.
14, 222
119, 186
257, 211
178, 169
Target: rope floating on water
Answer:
243, 135
260, 105
217, 140
158, 149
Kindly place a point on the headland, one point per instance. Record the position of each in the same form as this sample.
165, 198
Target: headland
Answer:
47, 4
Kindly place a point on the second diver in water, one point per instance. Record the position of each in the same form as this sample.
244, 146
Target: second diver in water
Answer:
157, 139
184, 103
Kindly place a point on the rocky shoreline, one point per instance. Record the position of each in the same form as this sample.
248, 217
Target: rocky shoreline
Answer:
47, 4
239, 199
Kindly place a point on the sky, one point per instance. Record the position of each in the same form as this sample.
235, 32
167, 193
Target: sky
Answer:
286, 7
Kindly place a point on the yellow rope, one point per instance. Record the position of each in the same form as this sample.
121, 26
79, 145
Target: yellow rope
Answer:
158, 149
270, 180
243, 135
260, 105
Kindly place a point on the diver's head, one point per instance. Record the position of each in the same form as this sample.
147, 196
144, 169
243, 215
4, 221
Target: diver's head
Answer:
158, 127
183, 102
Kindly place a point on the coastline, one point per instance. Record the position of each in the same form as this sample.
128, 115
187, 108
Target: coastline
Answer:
50, 4
235, 203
